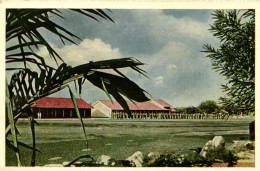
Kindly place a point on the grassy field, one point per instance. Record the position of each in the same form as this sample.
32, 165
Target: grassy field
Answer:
63, 140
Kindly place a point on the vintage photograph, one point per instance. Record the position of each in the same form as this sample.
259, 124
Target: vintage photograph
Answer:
125, 87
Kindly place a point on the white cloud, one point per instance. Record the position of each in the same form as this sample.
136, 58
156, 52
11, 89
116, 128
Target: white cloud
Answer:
193, 29
172, 56
185, 76
193, 96
87, 50
162, 26
159, 79
171, 67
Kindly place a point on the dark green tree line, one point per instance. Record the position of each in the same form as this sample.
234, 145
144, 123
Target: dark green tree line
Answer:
208, 106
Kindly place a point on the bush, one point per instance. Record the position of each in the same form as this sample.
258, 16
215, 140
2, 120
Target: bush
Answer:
176, 160
163, 160
193, 158
221, 155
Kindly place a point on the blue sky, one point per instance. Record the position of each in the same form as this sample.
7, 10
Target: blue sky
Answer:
167, 41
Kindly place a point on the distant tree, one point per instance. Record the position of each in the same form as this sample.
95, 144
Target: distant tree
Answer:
180, 109
208, 106
191, 110
235, 57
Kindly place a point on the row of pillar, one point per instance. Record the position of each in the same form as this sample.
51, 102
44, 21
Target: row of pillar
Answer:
123, 115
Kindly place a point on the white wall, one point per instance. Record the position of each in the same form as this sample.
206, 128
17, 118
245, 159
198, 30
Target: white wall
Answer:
102, 108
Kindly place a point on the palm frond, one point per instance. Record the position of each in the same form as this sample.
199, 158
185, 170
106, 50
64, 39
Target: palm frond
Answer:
78, 114
23, 25
28, 86
11, 121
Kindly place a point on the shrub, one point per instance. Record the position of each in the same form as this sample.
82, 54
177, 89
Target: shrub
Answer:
164, 160
221, 155
193, 158
176, 160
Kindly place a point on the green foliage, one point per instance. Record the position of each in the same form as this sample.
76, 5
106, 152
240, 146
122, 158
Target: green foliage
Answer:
189, 110
176, 160
193, 158
166, 160
235, 57
180, 109
221, 155
78, 114
208, 106
10, 119
229, 107
23, 26
214, 155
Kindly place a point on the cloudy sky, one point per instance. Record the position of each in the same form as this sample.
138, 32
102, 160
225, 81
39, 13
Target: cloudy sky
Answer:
167, 41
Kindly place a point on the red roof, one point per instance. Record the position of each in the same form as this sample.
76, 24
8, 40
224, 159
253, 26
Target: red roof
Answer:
172, 110
53, 102
137, 106
163, 103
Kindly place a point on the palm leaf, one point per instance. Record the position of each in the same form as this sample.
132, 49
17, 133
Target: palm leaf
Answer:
78, 158
23, 24
12, 124
99, 13
48, 82
31, 122
117, 86
78, 114
27, 86
10, 145
120, 84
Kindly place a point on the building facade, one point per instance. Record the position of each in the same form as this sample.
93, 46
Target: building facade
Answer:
112, 109
51, 107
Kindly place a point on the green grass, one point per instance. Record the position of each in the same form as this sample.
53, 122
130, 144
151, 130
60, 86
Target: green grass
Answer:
121, 138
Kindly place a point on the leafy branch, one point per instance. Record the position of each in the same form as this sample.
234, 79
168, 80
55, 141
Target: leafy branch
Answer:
235, 57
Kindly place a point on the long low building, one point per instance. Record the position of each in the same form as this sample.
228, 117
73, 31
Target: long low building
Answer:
107, 109
52, 107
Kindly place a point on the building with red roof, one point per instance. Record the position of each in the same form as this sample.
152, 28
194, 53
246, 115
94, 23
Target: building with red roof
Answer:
104, 108
163, 104
52, 107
